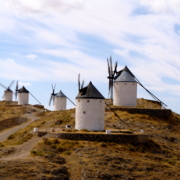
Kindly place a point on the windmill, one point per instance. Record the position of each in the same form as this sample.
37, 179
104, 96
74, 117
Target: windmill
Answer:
112, 73
126, 77
59, 99
23, 95
8, 93
90, 108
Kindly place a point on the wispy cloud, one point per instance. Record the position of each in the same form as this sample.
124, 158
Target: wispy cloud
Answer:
24, 83
31, 56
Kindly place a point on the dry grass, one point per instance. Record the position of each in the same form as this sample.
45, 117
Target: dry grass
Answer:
143, 160
157, 159
141, 103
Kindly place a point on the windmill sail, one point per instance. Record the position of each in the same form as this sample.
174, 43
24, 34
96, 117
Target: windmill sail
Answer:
52, 95
34, 98
111, 73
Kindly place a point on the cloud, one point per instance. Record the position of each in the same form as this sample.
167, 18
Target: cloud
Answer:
30, 7
31, 56
24, 83
162, 6
10, 69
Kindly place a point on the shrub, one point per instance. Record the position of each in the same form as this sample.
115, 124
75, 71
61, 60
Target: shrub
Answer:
60, 148
39, 153
67, 152
33, 152
47, 142
103, 145
1, 145
55, 141
11, 137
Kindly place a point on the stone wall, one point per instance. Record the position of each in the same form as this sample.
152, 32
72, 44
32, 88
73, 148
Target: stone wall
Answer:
159, 113
117, 138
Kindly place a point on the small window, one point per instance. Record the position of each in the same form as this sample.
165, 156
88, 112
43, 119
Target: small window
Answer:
78, 100
133, 83
125, 83
100, 101
87, 100
84, 112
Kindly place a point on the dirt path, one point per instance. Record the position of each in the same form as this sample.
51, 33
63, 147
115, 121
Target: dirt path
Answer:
5, 134
21, 151
73, 167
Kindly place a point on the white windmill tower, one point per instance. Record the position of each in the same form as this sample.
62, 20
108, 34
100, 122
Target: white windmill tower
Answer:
23, 95
59, 100
90, 108
8, 93
123, 86
125, 89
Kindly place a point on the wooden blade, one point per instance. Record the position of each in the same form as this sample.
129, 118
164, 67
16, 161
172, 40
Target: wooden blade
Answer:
34, 98
50, 100
11, 83
16, 86
3, 86
82, 84
79, 81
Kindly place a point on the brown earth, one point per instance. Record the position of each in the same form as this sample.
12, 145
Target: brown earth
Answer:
32, 158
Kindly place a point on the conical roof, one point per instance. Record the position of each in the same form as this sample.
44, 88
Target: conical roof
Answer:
60, 94
23, 90
8, 89
89, 92
125, 75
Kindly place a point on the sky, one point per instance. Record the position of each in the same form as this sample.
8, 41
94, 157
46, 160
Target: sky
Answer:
43, 42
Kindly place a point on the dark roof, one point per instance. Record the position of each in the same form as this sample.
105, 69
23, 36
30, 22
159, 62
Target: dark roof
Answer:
89, 92
23, 90
60, 94
9, 90
125, 75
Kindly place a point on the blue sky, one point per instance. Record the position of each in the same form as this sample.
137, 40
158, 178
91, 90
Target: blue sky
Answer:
51, 41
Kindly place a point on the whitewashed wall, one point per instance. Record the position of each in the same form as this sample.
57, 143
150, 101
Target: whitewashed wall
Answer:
23, 98
8, 95
90, 115
125, 94
60, 103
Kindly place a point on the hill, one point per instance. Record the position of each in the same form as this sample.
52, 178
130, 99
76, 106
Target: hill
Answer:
24, 156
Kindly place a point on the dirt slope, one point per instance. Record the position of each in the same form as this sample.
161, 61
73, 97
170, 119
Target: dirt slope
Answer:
33, 158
